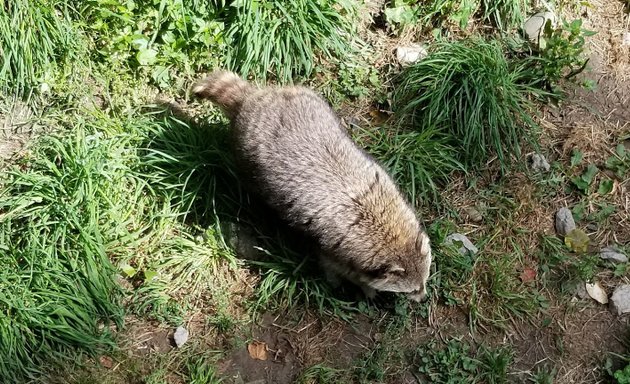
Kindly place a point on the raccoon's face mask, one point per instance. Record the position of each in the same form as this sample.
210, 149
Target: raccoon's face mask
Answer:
409, 275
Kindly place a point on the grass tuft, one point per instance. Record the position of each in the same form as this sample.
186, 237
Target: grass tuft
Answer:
37, 39
468, 90
283, 38
76, 202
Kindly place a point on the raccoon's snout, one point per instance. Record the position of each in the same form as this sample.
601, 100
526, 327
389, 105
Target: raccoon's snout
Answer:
419, 295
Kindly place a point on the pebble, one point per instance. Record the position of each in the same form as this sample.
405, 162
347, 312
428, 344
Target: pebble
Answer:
539, 163
180, 336
581, 292
620, 300
467, 245
473, 214
626, 39
613, 254
564, 221
411, 54
534, 26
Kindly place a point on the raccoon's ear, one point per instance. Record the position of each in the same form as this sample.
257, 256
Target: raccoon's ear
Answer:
422, 244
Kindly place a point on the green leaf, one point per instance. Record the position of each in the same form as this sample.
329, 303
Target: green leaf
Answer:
140, 42
147, 56
577, 240
580, 183
577, 157
128, 270
590, 173
149, 274
400, 15
621, 150
605, 187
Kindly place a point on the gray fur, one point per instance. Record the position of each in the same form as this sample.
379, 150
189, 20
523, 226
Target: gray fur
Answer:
299, 158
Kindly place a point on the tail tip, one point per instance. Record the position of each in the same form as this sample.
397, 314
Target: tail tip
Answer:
201, 87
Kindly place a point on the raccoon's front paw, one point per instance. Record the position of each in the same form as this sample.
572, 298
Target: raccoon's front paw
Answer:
333, 279
370, 293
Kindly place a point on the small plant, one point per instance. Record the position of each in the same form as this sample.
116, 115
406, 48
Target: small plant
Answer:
400, 14
619, 162
375, 364
583, 182
455, 362
623, 375
200, 372
562, 269
560, 56
467, 89
437, 13
162, 39
505, 14
543, 376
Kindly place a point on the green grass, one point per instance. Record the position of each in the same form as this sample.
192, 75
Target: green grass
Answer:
76, 202
58, 284
320, 374
37, 39
504, 14
468, 90
169, 41
282, 39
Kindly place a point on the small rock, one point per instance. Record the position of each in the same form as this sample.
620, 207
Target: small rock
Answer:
625, 40
473, 214
534, 27
596, 292
467, 245
620, 300
564, 221
581, 292
539, 163
180, 336
613, 254
410, 54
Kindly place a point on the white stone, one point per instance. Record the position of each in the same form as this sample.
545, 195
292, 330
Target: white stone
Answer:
625, 40
613, 254
620, 300
596, 292
564, 221
539, 163
410, 54
534, 27
180, 336
467, 245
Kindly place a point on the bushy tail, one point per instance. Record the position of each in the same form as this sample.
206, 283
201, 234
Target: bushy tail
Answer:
224, 88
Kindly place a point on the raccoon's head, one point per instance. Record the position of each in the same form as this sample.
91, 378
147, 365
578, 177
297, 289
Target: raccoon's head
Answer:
405, 272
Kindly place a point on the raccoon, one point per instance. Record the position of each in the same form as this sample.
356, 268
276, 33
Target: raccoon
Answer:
297, 156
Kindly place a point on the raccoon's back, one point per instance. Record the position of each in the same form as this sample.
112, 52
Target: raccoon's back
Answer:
300, 156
